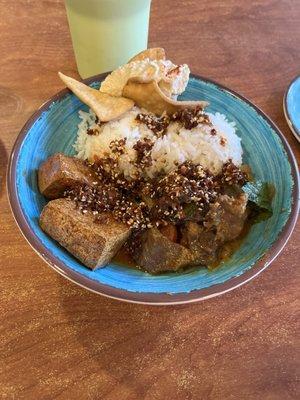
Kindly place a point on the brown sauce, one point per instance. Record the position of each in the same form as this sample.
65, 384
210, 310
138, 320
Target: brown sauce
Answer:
124, 258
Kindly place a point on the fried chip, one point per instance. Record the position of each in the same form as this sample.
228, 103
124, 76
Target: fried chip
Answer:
156, 53
105, 106
151, 97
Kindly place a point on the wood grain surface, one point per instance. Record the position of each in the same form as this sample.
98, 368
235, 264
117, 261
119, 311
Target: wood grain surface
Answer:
59, 341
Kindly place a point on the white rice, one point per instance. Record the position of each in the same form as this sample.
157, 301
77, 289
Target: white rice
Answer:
178, 145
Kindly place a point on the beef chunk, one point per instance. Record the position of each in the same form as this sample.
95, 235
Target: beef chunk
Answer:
93, 241
170, 232
60, 172
157, 253
227, 216
202, 243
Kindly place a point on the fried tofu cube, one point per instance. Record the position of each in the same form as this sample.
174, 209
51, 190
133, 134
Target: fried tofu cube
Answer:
93, 242
60, 172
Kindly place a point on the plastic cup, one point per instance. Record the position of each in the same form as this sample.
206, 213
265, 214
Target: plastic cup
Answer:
107, 33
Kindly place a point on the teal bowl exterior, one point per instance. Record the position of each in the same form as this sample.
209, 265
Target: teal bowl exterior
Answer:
291, 106
53, 129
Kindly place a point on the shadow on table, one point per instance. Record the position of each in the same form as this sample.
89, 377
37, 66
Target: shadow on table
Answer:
126, 340
3, 167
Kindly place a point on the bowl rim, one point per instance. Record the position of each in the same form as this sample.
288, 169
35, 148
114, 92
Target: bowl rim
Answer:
147, 297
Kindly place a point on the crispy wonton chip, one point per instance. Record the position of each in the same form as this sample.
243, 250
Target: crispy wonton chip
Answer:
105, 106
156, 53
151, 97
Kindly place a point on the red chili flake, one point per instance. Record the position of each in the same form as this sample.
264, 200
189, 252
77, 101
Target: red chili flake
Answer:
190, 118
232, 175
92, 132
143, 150
158, 125
118, 146
223, 141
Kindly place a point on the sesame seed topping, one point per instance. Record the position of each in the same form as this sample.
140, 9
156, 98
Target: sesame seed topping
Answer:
164, 199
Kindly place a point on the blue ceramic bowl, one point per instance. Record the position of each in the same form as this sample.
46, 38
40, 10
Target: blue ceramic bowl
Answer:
53, 129
291, 106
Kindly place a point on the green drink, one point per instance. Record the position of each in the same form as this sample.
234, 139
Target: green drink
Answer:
107, 33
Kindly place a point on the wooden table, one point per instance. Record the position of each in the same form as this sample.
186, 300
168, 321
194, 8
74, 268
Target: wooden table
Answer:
60, 341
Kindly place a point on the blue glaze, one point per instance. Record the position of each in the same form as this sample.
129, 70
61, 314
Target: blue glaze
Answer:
55, 130
292, 106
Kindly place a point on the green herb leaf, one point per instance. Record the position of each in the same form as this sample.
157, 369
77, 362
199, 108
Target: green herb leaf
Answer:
190, 210
260, 195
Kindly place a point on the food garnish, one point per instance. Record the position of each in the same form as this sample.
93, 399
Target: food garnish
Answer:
105, 106
152, 98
